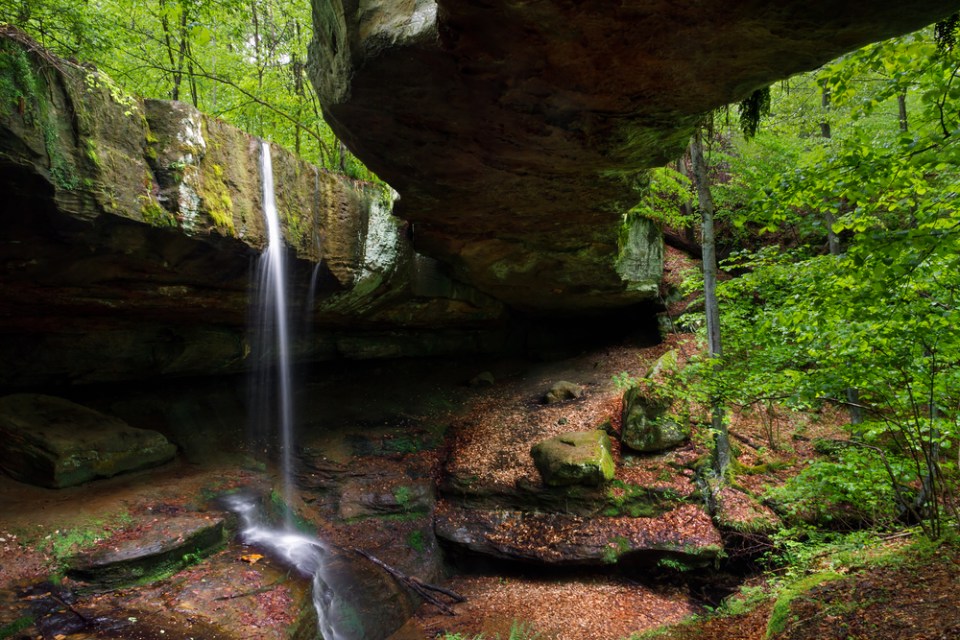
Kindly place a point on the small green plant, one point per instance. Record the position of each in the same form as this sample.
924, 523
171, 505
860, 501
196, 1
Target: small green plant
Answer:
674, 564
403, 495
11, 629
623, 380
416, 541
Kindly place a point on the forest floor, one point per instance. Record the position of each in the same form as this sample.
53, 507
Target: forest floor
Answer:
888, 592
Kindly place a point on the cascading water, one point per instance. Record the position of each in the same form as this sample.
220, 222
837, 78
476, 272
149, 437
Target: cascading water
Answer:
274, 329
274, 415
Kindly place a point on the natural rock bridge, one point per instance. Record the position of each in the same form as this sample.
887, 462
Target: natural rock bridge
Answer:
515, 131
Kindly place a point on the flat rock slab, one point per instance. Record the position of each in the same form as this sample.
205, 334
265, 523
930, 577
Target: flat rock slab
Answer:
164, 547
686, 534
52, 442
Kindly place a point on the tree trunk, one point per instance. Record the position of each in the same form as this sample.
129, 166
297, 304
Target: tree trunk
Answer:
902, 106
712, 308
825, 122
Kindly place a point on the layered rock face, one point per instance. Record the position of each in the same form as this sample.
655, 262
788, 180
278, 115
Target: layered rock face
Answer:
130, 231
515, 131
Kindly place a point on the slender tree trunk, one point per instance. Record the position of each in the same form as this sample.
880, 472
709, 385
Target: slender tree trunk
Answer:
833, 242
825, 122
687, 206
902, 107
714, 346
833, 246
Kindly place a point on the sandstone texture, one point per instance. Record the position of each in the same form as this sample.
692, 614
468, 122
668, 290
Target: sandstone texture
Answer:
52, 442
131, 230
517, 132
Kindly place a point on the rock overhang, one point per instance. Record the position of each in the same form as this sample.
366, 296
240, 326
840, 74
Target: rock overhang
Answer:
514, 130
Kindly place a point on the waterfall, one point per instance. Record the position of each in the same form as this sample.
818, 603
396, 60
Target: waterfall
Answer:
275, 413
272, 416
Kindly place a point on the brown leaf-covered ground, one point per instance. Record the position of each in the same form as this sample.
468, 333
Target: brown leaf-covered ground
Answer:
492, 431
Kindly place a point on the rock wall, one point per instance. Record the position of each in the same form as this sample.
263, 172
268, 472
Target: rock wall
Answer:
129, 232
514, 131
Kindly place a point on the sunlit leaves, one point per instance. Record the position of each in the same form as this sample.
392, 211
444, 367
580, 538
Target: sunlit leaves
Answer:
240, 60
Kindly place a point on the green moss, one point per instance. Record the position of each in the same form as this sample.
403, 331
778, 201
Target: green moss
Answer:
11, 629
215, 196
92, 154
637, 501
615, 548
780, 615
415, 541
155, 215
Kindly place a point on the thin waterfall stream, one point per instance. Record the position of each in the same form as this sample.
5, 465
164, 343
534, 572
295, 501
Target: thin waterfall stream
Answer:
274, 386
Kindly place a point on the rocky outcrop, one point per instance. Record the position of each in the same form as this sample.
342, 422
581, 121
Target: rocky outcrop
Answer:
165, 547
56, 443
686, 534
132, 229
516, 132
648, 425
562, 391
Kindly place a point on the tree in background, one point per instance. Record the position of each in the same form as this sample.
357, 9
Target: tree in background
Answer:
240, 60
804, 322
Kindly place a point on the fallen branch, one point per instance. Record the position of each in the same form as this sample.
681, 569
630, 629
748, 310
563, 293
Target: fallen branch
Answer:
745, 440
421, 588
264, 589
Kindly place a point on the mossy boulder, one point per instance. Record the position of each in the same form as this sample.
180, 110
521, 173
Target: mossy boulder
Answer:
52, 442
648, 426
562, 391
581, 457
165, 547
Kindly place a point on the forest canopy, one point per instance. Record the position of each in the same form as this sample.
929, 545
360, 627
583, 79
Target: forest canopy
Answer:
240, 60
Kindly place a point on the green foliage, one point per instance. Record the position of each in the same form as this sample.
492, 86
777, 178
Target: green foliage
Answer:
801, 327
752, 110
242, 62
852, 491
416, 541
674, 564
402, 495
11, 629
662, 196
518, 631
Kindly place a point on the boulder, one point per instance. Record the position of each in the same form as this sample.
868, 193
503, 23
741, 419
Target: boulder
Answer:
164, 547
647, 425
574, 458
52, 442
561, 391
482, 379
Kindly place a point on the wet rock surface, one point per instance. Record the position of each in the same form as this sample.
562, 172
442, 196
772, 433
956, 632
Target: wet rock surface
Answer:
52, 442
